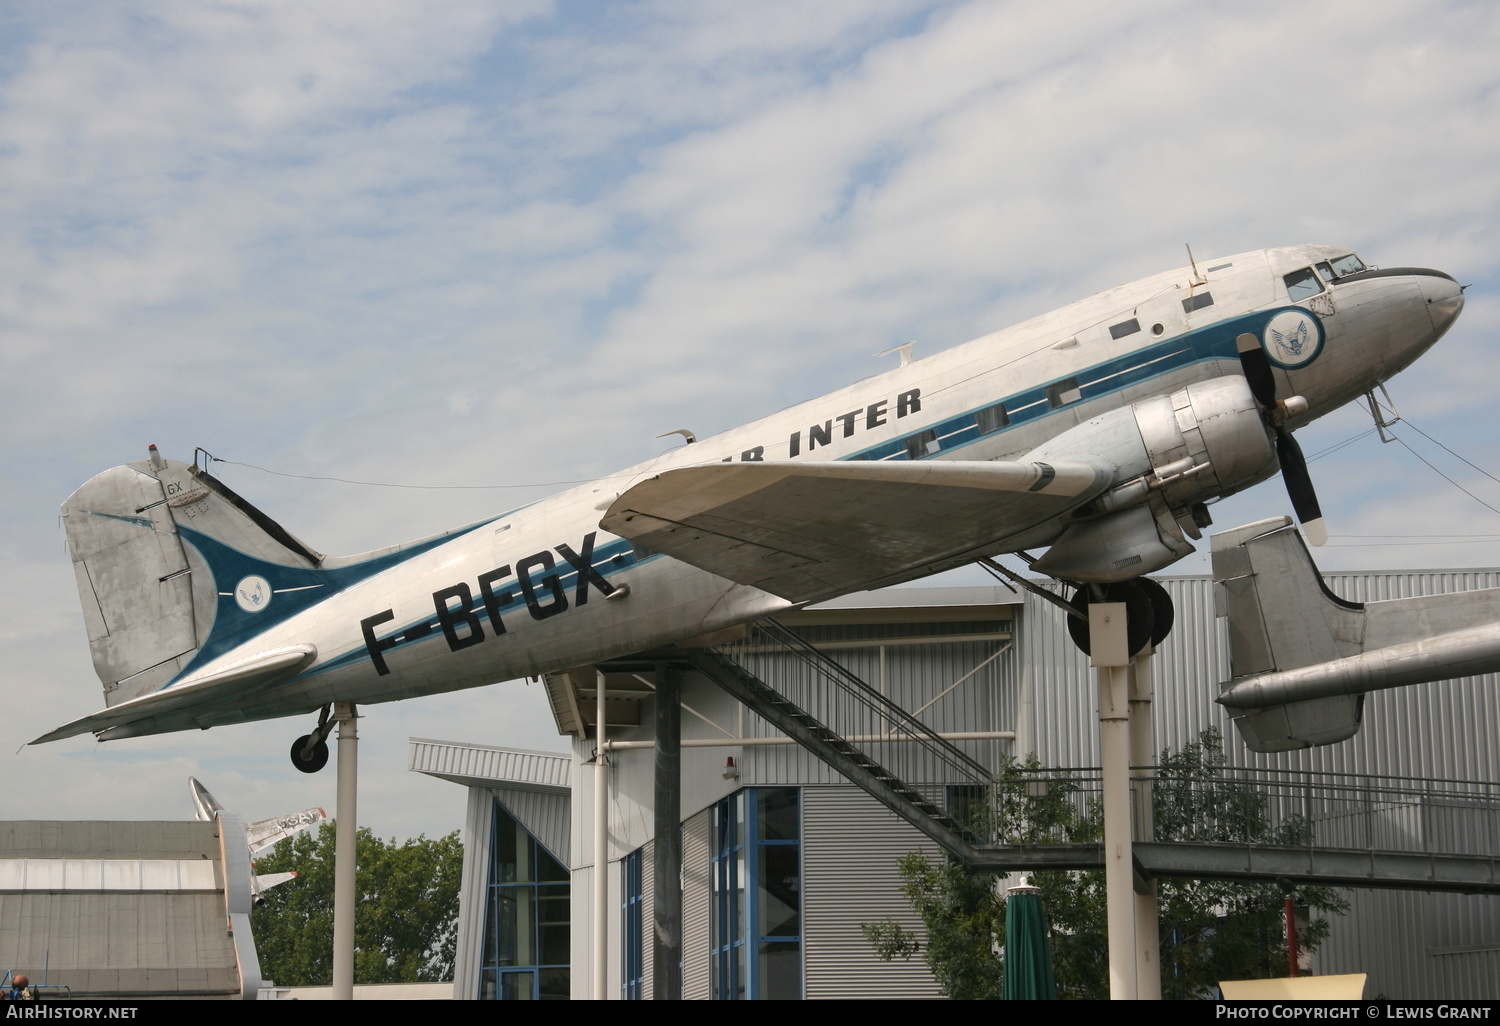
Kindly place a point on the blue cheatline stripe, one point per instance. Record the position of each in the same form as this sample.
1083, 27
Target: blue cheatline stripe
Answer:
294, 588
1202, 345
610, 558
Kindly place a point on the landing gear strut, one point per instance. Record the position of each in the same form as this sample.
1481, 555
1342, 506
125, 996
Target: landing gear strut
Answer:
310, 751
1148, 610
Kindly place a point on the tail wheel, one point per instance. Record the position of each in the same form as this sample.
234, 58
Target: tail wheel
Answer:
309, 760
1140, 618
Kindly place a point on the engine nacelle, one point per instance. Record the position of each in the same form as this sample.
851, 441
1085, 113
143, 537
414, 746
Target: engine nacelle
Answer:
1169, 454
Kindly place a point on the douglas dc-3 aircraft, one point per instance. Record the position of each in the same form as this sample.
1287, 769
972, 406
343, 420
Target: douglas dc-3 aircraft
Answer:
1099, 430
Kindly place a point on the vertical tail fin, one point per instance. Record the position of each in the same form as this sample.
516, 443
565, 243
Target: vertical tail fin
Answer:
150, 601
1281, 617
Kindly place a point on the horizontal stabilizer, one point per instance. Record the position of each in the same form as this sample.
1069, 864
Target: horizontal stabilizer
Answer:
266, 881
228, 684
1303, 658
806, 531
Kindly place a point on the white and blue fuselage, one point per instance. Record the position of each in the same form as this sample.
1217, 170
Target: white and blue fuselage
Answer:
545, 587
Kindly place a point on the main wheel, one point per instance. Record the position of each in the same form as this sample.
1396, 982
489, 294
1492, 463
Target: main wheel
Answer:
1139, 616
313, 763
1163, 612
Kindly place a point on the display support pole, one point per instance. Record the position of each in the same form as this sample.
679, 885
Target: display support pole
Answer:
1142, 757
666, 956
346, 835
601, 845
1110, 655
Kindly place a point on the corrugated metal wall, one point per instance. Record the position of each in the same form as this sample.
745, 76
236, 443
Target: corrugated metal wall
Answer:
851, 845
911, 675
695, 906
648, 920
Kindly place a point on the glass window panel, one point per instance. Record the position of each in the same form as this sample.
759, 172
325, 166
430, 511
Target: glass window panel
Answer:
924, 443
1302, 285
1198, 302
992, 418
554, 946
1124, 328
492, 929
505, 848
779, 820
548, 869
780, 971
517, 986
779, 891
554, 984
1350, 264
1063, 392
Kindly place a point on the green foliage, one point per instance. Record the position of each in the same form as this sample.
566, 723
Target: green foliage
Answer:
1211, 930
962, 953
406, 920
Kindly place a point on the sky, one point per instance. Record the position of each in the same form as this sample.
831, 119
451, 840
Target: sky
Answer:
484, 249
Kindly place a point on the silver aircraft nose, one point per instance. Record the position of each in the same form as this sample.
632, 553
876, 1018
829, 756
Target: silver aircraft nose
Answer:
1445, 299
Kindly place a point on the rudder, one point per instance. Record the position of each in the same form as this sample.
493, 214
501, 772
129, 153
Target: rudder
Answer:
149, 600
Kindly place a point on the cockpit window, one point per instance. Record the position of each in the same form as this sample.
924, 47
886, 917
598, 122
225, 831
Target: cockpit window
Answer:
1302, 284
1350, 264
1325, 272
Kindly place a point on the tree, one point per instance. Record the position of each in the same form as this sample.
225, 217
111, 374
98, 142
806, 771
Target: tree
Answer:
406, 917
1210, 930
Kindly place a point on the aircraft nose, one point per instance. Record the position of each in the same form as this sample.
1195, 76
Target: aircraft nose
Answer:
1445, 298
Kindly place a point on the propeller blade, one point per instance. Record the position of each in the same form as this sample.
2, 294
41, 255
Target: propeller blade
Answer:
1257, 369
1300, 487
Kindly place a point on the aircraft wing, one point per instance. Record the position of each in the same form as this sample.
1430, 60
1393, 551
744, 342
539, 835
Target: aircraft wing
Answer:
807, 531
229, 683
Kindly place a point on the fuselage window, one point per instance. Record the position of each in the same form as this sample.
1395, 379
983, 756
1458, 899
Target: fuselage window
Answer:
1350, 264
1197, 302
922, 444
1124, 328
992, 418
1302, 285
1064, 392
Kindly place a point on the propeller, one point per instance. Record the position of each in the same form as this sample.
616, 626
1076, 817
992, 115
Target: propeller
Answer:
1299, 484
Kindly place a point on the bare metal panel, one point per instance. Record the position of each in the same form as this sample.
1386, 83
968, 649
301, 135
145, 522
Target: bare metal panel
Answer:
851, 845
648, 913
479, 765
696, 841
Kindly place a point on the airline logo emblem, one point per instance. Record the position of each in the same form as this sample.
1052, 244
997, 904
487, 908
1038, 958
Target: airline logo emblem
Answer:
1293, 339
253, 593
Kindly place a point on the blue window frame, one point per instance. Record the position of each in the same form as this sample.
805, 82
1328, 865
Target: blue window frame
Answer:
526, 922
757, 895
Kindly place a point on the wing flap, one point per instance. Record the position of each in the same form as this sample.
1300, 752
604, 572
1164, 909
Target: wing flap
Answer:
233, 681
811, 530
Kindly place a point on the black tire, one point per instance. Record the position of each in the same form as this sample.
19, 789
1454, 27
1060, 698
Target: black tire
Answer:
1139, 619
319, 757
1163, 612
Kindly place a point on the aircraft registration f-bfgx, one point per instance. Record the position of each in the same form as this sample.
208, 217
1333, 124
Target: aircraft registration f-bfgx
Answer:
1099, 431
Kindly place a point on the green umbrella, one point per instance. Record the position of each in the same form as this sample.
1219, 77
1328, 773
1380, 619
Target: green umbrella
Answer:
1028, 948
